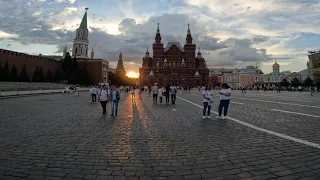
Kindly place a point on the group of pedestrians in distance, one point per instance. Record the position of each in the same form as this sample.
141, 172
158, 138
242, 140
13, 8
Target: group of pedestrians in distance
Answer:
165, 91
106, 95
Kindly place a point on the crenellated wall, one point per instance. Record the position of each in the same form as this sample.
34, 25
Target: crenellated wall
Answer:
31, 61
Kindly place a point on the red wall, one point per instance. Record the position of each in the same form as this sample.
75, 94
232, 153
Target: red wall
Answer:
31, 62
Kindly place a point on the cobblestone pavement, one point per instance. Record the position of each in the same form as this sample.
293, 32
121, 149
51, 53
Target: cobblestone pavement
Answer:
65, 137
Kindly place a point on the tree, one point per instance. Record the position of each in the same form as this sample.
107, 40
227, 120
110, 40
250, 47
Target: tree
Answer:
41, 75
49, 76
23, 75
56, 77
308, 82
35, 77
14, 74
0, 71
284, 83
6, 72
295, 82
83, 76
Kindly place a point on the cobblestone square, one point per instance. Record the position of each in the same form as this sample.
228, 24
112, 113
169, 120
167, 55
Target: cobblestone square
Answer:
62, 136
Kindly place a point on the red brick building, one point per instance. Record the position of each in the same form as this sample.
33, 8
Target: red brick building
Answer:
19, 59
174, 64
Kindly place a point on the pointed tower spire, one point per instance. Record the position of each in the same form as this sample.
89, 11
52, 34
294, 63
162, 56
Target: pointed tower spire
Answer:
158, 36
189, 37
65, 50
83, 24
158, 29
92, 54
120, 67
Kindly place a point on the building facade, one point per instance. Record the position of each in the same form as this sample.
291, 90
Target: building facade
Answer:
174, 64
314, 65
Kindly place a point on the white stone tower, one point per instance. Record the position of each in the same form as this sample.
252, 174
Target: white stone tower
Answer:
81, 42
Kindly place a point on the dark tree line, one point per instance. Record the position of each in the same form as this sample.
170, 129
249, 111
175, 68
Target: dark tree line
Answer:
70, 72
114, 79
295, 82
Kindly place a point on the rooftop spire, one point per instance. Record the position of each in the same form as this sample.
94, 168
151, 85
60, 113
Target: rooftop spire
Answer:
83, 24
158, 30
189, 32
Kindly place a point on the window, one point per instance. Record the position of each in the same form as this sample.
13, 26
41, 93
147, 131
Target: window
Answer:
76, 51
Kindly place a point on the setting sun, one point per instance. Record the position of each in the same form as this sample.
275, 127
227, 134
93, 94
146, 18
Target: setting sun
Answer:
132, 74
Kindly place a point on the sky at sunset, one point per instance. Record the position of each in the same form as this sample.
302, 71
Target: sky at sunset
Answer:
230, 33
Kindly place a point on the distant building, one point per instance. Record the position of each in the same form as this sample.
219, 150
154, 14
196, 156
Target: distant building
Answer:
97, 68
120, 70
242, 77
304, 74
112, 70
174, 64
314, 65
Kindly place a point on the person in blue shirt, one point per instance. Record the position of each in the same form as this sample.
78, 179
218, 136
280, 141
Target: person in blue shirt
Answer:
173, 91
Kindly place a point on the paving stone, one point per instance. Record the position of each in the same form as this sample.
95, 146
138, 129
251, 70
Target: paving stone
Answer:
149, 141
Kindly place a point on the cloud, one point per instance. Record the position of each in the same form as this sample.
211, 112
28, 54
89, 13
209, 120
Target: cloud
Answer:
229, 33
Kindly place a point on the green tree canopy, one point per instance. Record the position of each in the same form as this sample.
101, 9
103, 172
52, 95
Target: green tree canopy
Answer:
6, 72
0, 71
284, 83
295, 82
14, 74
41, 75
24, 75
49, 76
56, 77
308, 82
35, 77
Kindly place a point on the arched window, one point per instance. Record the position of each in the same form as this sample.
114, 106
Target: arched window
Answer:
76, 51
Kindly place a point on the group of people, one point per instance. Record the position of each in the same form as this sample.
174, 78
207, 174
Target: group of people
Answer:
164, 91
112, 95
225, 94
106, 95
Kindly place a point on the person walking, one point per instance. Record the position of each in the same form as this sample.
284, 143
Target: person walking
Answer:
92, 94
225, 94
167, 94
103, 98
133, 93
173, 91
114, 98
150, 89
207, 102
312, 89
155, 93
243, 89
160, 94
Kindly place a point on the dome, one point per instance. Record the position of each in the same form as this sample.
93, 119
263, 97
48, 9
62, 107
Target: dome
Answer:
275, 65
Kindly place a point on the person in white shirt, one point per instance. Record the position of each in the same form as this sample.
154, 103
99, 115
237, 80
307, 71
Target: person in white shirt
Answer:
207, 102
92, 94
225, 94
155, 93
103, 98
160, 94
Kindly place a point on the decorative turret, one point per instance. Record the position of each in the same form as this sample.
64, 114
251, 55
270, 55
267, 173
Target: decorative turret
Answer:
189, 37
81, 42
147, 53
158, 36
183, 63
92, 54
276, 67
199, 56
